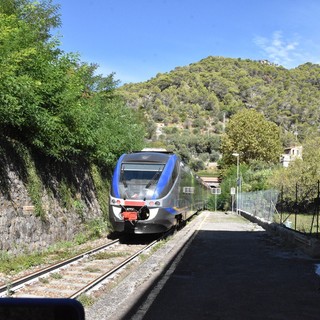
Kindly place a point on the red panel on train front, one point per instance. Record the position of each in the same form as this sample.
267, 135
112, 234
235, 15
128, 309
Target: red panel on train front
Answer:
130, 215
134, 203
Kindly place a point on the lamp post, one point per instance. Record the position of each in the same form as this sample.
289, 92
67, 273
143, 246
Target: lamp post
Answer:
235, 154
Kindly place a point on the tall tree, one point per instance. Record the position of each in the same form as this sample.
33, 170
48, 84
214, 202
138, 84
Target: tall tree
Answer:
249, 134
43, 16
50, 100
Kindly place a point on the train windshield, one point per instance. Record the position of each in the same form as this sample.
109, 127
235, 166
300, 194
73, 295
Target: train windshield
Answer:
139, 180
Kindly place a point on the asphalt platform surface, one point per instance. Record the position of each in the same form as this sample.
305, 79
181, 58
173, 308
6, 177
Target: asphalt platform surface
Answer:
233, 269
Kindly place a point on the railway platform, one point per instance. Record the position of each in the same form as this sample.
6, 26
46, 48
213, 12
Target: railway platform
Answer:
232, 269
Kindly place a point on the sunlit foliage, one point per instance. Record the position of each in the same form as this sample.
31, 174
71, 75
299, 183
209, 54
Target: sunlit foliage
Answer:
52, 101
251, 136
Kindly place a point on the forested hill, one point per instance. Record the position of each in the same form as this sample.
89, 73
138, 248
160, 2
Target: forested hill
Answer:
202, 93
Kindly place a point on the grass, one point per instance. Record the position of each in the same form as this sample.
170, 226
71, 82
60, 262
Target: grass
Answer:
102, 188
92, 270
86, 300
159, 244
208, 173
305, 223
11, 264
44, 280
34, 184
56, 276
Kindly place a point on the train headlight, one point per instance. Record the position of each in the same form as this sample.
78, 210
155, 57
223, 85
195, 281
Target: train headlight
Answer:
116, 202
156, 203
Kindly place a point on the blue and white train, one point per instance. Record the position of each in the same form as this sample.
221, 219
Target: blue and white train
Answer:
152, 191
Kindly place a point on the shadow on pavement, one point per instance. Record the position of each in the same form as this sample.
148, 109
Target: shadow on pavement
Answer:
235, 275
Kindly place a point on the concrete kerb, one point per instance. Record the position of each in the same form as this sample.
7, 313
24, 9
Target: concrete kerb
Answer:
310, 246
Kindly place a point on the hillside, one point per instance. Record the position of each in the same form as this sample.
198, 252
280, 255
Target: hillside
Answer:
187, 108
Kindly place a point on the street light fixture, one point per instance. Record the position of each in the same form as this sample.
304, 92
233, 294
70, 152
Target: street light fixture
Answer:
235, 154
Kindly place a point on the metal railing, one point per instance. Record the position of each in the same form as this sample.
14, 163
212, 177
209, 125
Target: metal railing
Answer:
296, 208
261, 204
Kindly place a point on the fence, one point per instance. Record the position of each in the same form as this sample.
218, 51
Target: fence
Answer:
296, 208
261, 204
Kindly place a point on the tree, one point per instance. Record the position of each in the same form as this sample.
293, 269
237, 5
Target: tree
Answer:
41, 16
196, 164
304, 173
253, 137
51, 101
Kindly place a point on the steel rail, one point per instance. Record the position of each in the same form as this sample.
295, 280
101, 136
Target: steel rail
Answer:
110, 272
16, 283
122, 264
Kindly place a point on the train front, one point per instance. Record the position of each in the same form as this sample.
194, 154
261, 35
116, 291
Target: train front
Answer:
142, 193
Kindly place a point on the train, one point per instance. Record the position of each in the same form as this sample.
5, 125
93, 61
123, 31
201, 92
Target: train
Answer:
153, 191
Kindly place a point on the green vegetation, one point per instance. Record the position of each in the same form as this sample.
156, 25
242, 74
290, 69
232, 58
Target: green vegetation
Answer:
306, 223
56, 109
192, 104
11, 264
253, 137
101, 183
302, 173
253, 177
56, 276
86, 300
44, 280
94, 229
65, 122
218, 106
92, 270
50, 100
32, 178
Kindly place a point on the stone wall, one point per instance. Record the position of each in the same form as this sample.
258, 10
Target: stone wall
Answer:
21, 230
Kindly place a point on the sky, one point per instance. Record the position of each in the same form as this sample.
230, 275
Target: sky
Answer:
137, 39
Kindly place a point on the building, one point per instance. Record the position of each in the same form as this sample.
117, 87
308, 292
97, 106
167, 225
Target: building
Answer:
290, 154
212, 182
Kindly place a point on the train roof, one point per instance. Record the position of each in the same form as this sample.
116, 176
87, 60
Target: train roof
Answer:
147, 156
156, 150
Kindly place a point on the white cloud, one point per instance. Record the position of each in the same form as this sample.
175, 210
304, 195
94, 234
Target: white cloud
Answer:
280, 51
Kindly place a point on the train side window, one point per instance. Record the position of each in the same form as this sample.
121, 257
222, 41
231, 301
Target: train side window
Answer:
188, 190
173, 176
175, 172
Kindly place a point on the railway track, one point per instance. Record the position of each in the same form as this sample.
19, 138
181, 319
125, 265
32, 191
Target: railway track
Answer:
73, 277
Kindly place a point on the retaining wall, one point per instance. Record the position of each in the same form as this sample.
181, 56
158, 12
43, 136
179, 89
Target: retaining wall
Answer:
307, 244
22, 231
